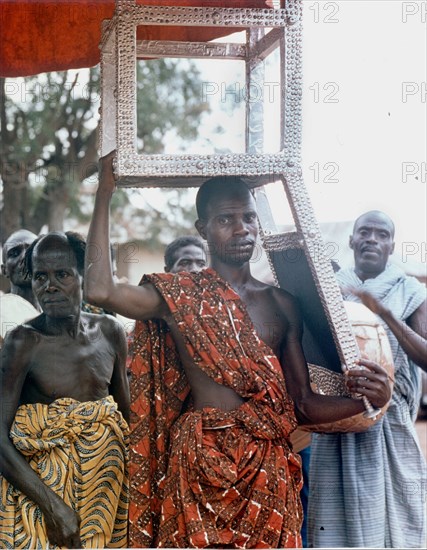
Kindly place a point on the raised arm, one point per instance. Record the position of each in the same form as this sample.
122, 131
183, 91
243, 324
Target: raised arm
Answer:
135, 302
62, 523
411, 335
313, 408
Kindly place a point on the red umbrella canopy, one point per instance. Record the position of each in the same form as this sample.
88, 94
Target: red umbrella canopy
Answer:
47, 35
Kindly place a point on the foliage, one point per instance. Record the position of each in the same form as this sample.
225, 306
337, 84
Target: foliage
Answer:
49, 139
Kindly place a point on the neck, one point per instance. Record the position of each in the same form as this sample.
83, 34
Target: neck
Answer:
236, 276
365, 275
71, 325
25, 292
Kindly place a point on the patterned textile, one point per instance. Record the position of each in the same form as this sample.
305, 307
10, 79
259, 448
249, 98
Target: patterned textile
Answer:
368, 489
207, 477
79, 450
90, 308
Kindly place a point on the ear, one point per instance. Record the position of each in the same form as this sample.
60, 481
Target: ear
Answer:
201, 229
392, 247
166, 269
350, 242
3, 270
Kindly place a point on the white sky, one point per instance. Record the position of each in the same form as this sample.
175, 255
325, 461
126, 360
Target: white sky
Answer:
375, 53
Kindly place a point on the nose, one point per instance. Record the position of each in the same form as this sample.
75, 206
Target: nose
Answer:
50, 285
241, 228
372, 237
193, 267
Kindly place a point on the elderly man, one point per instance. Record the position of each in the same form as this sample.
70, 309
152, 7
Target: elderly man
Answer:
212, 464
368, 489
65, 404
20, 304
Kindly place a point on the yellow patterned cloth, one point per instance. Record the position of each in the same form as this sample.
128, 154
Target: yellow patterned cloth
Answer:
79, 450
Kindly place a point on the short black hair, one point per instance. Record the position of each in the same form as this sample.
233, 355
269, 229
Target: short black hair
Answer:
177, 244
76, 242
218, 186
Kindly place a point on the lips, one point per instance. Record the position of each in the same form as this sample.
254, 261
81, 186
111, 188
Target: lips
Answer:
54, 302
241, 244
370, 250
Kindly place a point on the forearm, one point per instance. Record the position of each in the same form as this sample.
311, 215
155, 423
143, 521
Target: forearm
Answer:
98, 278
414, 345
17, 471
319, 409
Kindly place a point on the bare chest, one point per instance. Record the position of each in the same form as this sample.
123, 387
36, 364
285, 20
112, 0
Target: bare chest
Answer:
268, 321
61, 367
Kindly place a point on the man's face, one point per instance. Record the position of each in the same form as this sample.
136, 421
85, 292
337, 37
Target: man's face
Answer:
231, 228
372, 242
13, 255
56, 282
190, 258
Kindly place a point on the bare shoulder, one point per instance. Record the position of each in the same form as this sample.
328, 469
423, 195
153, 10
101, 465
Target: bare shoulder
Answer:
108, 325
19, 345
24, 335
283, 299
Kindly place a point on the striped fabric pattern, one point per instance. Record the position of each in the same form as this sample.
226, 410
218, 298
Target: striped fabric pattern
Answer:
368, 489
79, 450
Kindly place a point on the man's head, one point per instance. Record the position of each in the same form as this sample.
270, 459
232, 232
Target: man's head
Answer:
13, 259
227, 219
185, 254
372, 242
55, 263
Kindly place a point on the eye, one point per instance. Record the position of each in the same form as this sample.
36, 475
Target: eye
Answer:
62, 274
250, 217
39, 277
223, 220
14, 253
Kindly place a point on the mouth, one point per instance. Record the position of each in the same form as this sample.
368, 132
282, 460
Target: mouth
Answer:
369, 250
54, 302
242, 245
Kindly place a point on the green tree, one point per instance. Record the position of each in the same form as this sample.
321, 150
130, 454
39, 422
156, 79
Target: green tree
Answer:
48, 140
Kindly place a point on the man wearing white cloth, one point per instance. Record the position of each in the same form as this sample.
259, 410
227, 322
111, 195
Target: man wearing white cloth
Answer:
368, 489
19, 305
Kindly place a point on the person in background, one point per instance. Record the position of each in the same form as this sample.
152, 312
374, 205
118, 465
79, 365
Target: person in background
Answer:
65, 407
19, 305
185, 253
211, 460
368, 489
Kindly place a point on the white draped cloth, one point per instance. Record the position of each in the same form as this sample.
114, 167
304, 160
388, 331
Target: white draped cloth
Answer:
369, 489
14, 310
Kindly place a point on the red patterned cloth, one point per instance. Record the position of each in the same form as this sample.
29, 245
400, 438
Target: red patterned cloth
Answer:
206, 478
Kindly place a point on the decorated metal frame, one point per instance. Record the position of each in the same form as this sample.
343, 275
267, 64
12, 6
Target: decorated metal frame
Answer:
266, 29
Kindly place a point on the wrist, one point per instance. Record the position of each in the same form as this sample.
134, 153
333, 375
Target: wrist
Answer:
104, 193
49, 501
